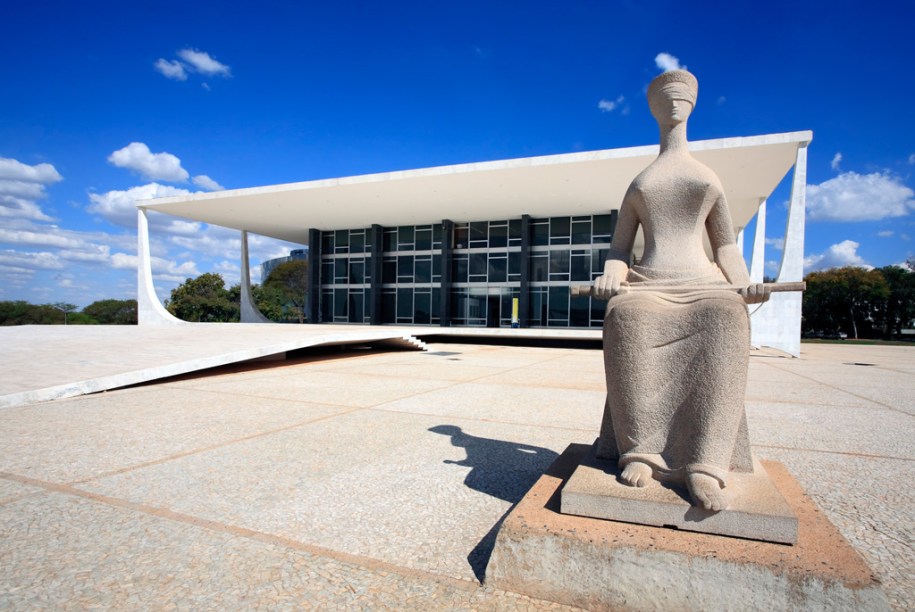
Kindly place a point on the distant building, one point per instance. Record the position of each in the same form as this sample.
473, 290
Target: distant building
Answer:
495, 243
268, 266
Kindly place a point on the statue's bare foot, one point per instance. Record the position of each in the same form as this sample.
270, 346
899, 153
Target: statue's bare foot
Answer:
706, 492
636, 474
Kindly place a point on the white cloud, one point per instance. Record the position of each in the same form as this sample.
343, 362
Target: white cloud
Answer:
667, 62
11, 169
859, 197
171, 69
162, 268
203, 63
31, 238
776, 243
836, 160
886, 233
205, 182
23, 260
155, 166
21, 186
912, 158
610, 105
721, 100
844, 253
119, 207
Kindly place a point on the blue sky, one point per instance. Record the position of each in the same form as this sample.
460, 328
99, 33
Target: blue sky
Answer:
105, 102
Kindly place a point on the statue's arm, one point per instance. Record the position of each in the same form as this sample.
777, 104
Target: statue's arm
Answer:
616, 267
727, 254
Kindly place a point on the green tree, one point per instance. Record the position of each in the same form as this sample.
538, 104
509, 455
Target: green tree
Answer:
64, 307
898, 310
287, 285
203, 299
113, 312
847, 299
20, 312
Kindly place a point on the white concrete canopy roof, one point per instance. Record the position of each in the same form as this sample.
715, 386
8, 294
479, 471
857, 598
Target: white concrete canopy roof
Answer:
593, 182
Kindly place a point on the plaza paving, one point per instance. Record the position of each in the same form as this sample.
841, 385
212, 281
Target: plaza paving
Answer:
377, 479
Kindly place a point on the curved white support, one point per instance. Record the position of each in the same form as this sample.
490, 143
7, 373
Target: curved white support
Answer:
149, 309
777, 323
758, 260
249, 310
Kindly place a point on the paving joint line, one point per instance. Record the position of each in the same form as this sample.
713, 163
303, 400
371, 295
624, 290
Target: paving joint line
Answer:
867, 399
369, 563
205, 449
832, 452
482, 420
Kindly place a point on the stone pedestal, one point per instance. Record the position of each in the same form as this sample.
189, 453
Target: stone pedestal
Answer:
603, 564
756, 509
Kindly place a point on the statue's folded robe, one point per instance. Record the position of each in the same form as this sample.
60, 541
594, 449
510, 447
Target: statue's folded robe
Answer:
676, 368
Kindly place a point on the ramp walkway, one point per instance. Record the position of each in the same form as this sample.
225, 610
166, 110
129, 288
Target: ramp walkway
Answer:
41, 363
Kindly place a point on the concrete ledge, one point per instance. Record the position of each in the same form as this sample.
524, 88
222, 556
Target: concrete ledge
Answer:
600, 564
756, 509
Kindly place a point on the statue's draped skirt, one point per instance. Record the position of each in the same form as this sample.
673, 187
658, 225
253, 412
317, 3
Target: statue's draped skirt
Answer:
676, 367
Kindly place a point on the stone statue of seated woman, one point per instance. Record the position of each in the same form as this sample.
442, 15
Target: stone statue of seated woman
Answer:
676, 351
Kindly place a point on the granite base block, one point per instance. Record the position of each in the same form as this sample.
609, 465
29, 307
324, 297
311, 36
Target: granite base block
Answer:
600, 564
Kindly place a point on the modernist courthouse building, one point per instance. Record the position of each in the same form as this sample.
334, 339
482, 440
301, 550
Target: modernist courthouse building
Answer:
455, 245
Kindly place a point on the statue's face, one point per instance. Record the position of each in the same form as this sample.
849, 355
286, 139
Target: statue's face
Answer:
671, 105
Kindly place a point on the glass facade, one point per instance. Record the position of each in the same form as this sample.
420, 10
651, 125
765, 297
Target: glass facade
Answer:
477, 269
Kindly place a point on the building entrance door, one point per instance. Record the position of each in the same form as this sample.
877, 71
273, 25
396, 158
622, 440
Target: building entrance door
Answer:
492, 311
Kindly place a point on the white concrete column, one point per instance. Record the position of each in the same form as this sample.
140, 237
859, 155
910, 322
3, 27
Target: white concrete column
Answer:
740, 233
777, 323
758, 259
149, 309
249, 311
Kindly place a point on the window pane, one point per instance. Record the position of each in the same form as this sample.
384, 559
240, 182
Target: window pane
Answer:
581, 232
389, 270
498, 236
460, 268
514, 266
423, 238
357, 242
422, 305
541, 233
357, 272
560, 230
559, 264
405, 238
388, 306
405, 269
559, 304
580, 311
601, 225
478, 234
340, 303
478, 264
436, 268
404, 305
498, 268
327, 242
340, 272
423, 270
539, 267
514, 232
581, 267
327, 272
341, 240
355, 306
461, 236
389, 241
437, 236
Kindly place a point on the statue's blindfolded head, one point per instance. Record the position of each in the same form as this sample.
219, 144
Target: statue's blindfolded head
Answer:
675, 84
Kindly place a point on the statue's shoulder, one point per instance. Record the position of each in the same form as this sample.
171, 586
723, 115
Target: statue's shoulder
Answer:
704, 174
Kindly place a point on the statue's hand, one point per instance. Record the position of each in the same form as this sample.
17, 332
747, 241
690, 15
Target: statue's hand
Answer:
608, 284
756, 293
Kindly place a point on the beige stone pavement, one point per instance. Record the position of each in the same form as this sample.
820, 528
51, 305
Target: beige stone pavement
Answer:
377, 479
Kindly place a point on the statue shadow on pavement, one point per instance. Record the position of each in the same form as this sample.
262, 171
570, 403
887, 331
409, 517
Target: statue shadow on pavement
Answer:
505, 470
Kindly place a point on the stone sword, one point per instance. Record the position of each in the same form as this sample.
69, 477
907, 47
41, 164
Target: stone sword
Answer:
585, 290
